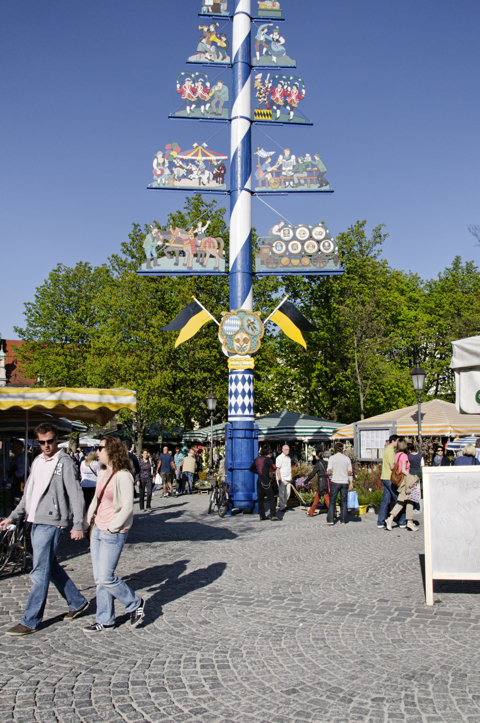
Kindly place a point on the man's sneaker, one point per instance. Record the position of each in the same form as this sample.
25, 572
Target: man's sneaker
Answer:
72, 614
403, 526
97, 628
275, 518
381, 527
137, 616
20, 630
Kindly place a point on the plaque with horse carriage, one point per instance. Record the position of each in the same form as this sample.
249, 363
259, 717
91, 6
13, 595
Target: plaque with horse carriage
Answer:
183, 251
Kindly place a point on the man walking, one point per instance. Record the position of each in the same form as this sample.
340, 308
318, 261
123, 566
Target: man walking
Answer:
178, 458
165, 468
16, 472
284, 477
341, 476
52, 493
389, 491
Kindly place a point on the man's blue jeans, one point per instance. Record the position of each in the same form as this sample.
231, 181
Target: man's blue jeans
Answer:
189, 482
106, 549
388, 495
45, 539
334, 490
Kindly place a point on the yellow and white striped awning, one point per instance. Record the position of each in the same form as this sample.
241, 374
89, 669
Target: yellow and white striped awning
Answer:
439, 418
88, 405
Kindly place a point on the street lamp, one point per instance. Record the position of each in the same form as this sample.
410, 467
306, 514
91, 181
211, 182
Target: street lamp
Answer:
211, 404
418, 379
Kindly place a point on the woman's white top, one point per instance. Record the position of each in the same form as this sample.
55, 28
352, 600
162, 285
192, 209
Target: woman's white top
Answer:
89, 474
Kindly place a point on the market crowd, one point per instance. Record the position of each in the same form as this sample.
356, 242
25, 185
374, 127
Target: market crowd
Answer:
96, 493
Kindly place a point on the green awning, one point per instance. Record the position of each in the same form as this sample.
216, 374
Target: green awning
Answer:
285, 425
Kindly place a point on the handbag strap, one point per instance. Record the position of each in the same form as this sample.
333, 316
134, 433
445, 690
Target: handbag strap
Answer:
103, 490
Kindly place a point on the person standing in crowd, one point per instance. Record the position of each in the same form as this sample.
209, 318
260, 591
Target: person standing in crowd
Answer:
165, 468
341, 475
145, 480
111, 511
89, 469
284, 477
16, 472
178, 458
467, 457
402, 463
262, 466
390, 492
52, 494
322, 484
440, 459
80, 456
133, 459
416, 463
189, 466
221, 468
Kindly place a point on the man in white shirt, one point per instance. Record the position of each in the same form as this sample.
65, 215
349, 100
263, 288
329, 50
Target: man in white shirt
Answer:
341, 478
52, 495
284, 477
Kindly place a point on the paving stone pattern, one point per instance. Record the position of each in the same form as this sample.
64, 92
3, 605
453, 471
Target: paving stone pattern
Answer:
255, 622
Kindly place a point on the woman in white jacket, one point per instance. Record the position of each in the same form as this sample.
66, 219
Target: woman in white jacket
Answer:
112, 512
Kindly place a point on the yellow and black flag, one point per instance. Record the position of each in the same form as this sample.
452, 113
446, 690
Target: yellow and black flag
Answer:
188, 322
292, 322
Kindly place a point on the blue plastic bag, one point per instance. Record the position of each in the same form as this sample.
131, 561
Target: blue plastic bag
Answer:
352, 500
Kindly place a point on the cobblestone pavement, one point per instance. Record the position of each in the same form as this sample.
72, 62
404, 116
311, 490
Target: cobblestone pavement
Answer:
255, 622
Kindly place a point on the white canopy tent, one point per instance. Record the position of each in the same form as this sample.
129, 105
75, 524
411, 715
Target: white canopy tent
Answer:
466, 364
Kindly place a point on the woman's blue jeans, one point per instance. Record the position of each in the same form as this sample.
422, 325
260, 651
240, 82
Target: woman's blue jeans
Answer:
45, 539
106, 549
388, 495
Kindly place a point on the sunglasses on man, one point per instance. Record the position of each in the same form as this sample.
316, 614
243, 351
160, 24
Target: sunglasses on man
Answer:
50, 441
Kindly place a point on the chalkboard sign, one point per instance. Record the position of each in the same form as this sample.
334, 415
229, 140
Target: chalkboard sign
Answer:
452, 524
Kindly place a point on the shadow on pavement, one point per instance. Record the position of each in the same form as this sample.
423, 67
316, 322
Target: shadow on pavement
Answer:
169, 584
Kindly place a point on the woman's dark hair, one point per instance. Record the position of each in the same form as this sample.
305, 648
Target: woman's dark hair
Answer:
411, 447
144, 450
45, 428
402, 446
265, 450
338, 447
118, 458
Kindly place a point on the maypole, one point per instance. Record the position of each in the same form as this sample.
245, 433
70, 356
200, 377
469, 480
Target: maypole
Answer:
286, 249
240, 432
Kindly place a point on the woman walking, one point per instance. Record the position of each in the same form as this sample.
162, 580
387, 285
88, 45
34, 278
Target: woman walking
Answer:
89, 469
111, 512
402, 463
145, 479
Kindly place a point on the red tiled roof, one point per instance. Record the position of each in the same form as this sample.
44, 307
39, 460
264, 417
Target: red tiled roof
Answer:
13, 368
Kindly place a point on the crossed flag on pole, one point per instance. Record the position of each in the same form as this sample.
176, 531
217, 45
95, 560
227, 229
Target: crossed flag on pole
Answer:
195, 315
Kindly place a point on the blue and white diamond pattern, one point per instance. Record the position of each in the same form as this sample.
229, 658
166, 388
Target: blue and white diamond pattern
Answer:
232, 324
240, 396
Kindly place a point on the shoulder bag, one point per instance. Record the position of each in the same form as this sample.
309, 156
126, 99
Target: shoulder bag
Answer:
90, 529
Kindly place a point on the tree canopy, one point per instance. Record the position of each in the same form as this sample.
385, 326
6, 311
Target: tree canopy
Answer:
101, 326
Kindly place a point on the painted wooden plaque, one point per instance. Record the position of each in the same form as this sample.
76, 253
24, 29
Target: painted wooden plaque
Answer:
298, 249
286, 171
278, 97
197, 168
213, 7
212, 47
269, 9
200, 98
181, 251
270, 48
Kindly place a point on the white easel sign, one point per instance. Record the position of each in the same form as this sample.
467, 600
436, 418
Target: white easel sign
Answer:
452, 524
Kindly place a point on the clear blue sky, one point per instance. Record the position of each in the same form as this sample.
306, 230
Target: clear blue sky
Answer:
86, 88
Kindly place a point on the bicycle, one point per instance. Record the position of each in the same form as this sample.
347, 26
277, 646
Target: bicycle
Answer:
14, 547
219, 498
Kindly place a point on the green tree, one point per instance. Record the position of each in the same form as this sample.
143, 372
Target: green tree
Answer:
59, 325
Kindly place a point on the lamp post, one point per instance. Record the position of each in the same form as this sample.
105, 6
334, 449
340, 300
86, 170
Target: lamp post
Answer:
418, 379
211, 404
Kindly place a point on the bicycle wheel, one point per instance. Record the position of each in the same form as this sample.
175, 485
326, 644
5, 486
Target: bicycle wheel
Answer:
5, 548
212, 503
222, 505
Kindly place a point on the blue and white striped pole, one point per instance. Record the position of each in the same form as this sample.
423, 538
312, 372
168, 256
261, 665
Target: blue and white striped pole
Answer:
241, 442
